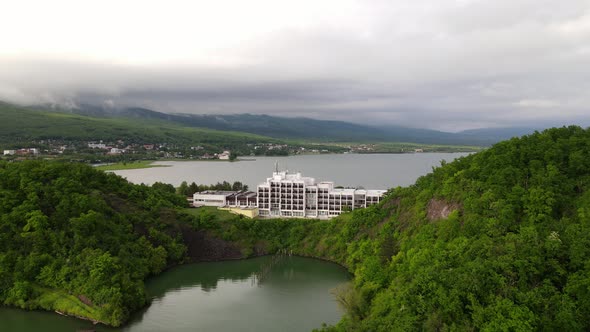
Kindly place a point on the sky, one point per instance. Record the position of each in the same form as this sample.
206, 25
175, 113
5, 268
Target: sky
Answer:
446, 65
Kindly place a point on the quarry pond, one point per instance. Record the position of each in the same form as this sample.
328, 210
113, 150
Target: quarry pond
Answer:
371, 171
244, 295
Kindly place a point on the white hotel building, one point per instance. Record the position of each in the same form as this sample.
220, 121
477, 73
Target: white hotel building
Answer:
292, 195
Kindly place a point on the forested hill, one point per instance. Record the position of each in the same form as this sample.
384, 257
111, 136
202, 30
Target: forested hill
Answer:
496, 241
19, 124
80, 241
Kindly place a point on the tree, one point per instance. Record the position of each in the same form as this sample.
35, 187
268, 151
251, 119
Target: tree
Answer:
165, 187
193, 188
183, 189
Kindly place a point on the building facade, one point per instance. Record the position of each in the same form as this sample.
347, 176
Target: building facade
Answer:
225, 198
293, 195
225, 155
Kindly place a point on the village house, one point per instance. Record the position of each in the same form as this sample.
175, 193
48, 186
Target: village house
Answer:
224, 156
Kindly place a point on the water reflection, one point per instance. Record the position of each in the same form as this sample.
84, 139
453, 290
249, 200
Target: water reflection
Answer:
204, 275
292, 295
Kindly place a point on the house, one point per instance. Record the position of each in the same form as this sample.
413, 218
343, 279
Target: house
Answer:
224, 156
100, 145
9, 152
26, 151
115, 151
207, 156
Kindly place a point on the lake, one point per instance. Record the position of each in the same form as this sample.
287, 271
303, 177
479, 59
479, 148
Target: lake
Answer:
371, 171
219, 296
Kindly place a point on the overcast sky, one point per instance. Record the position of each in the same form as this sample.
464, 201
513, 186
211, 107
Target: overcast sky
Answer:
439, 64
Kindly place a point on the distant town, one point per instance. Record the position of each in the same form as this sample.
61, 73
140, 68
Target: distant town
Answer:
120, 150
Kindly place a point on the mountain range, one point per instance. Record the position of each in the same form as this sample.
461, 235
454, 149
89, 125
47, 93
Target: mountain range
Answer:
302, 128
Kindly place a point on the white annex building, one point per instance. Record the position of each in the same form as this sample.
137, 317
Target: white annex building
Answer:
224, 198
293, 195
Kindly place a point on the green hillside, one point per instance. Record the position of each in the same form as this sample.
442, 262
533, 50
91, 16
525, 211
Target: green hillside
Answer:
299, 128
80, 241
18, 124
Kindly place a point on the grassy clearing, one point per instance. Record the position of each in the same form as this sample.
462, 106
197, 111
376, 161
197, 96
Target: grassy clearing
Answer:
219, 215
129, 165
59, 300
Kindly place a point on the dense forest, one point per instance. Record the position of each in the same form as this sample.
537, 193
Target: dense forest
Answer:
81, 241
498, 240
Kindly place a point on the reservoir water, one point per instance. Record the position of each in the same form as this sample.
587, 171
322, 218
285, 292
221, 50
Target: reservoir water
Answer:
221, 296
371, 171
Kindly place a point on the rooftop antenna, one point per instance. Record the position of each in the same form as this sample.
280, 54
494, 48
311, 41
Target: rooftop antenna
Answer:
276, 166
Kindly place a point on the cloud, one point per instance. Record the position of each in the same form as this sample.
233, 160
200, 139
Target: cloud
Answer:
426, 63
537, 103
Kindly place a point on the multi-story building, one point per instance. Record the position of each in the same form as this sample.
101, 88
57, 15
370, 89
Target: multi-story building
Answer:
293, 195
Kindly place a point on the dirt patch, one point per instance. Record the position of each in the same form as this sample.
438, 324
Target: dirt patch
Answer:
439, 209
85, 300
202, 247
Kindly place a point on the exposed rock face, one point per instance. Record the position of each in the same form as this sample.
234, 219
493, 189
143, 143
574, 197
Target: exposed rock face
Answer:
439, 209
203, 247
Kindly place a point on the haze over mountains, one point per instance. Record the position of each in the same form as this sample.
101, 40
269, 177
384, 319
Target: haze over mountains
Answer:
302, 127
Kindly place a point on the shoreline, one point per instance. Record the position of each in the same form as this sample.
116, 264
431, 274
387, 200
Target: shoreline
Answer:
168, 268
121, 166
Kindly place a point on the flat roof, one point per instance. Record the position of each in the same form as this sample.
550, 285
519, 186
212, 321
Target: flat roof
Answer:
286, 177
247, 194
216, 192
348, 191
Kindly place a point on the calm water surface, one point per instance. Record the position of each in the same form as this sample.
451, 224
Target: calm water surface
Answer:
221, 296
372, 171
